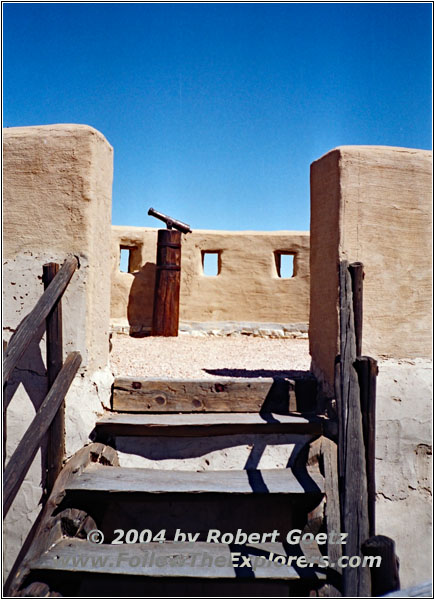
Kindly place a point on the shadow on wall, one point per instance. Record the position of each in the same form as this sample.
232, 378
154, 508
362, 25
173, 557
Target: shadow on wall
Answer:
141, 300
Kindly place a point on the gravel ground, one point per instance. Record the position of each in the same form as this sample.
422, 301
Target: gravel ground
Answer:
207, 358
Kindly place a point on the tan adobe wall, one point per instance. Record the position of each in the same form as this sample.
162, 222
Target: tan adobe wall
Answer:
247, 288
374, 205
57, 182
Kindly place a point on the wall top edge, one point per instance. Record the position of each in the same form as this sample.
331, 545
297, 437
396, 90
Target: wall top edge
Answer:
374, 150
58, 129
127, 228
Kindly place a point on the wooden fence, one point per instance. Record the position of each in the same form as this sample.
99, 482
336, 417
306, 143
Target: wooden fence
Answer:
50, 417
355, 390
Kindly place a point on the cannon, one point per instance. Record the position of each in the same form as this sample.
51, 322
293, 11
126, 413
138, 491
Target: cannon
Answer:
170, 222
166, 307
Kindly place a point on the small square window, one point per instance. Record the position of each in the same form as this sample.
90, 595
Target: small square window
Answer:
285, 264
211, 263
128, 258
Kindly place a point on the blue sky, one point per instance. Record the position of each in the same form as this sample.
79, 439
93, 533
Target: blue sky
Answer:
215, 111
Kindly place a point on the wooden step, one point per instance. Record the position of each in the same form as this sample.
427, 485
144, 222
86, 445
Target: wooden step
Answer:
153, 481
227, 394
173, 559
206, 424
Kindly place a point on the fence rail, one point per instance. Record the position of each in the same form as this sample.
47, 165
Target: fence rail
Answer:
49, 419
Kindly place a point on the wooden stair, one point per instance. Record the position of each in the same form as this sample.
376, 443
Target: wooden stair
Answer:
96, 478
205, 424
94, 492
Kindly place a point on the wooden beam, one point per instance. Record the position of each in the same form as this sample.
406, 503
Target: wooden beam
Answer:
367, 369
54, 361
133, 394
356, 270
29, 326
354, 505
23, 456
167, 285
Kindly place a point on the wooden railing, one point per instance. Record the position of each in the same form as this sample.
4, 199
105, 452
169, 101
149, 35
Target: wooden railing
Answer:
355, 390
50, 417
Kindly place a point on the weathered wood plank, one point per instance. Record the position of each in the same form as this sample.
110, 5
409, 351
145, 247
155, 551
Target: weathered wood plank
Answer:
172, 559
153, 481
30, 325
132, 394
23, 456
332, 515
354, 513
48, 531
367, 369
54, 361
356, 271
205, 424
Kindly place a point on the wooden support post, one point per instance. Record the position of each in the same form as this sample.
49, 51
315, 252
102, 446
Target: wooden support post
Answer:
385, 576
167, 287
352, 462
367, 369
356, 270
54, 345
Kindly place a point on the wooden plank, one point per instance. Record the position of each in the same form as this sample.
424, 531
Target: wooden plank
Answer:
23, 456
154, 481
332, 515
173, 559
54, 361
205, 424
356, 271
29, 326
48, 531
367, 369
354, 513
133, 394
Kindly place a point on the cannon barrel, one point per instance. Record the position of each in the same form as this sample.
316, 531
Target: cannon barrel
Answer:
170, 222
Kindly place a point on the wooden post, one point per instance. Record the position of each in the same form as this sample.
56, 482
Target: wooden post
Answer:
167, 287
356, 270
352, 463
54, 345
367, 369
385, 577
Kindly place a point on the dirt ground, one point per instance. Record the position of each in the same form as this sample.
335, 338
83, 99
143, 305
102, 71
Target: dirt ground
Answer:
208, 357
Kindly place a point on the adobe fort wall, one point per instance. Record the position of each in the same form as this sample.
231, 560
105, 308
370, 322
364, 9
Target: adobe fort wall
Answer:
248, 287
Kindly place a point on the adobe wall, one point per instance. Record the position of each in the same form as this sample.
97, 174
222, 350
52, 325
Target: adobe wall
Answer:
374, 205
247, 288
57, 182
